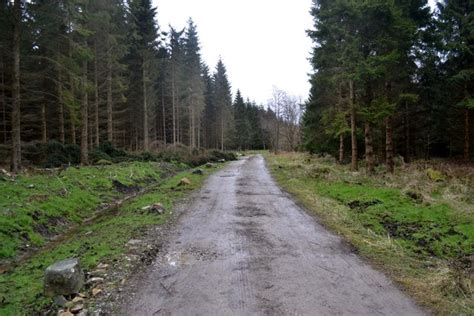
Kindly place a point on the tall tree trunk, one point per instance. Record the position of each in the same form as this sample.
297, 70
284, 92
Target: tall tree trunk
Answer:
163, 108
62, 137
145, 109
72, 117
84, 118
389, 133
341, 148
199, 134
44, 125
15, 120
173, 101
96, 99
179, 135
389, 145
3, 98
369, 148
110, 104
277, 147
466, 135
72, 126
407, 134
222, 132
354, 155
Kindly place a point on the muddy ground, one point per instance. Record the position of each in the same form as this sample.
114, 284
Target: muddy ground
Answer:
241, 246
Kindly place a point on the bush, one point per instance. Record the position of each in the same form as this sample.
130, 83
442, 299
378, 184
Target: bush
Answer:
216, 155
111, 151
73, 152
96, 155
51, 155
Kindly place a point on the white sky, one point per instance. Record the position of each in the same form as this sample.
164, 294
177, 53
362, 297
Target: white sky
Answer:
262, 42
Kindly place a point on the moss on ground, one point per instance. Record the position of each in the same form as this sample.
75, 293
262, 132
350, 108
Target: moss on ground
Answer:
415, 235
38, 206
103, 240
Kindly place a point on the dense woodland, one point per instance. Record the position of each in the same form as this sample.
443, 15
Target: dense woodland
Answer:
83, 73
391, 79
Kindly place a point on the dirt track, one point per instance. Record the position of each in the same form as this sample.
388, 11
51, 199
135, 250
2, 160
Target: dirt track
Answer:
244, 247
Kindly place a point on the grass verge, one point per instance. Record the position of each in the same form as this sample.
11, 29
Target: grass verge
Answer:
409, 225
104, 240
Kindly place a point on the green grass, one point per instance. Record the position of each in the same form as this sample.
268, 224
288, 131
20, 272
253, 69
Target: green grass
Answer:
102, 241
33, 207
423, 244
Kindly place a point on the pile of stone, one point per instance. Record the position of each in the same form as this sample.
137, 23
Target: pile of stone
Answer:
64, 280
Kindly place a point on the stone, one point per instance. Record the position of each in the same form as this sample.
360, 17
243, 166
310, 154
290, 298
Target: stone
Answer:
184, 181
209, 165
198, 172
78, 299
98, 272
102, 266
95, 280
221, 160
96, 291
155, 208
66, 313
82, 313
60, 300
63, 278
134, 242
77, 308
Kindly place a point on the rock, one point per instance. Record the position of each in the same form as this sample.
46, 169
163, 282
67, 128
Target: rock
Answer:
96, 291
98, 272
78, 299
209, 165
77, 308
82, 313
63, 278
31, 186
134, 242
434, 175
155, 208
198, 172
66, 313
184, 181
95, 280
60, 300
102, 266
221, 160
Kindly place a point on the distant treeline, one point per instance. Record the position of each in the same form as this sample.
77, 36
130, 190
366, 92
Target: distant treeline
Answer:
85, 72
393, 78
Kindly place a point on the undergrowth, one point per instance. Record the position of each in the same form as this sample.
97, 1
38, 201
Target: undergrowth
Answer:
416, 227
102, 241
40, 205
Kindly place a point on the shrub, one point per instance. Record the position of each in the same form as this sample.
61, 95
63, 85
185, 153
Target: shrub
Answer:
96, 155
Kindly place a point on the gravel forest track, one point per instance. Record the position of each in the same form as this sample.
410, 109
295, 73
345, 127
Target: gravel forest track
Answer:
243, 247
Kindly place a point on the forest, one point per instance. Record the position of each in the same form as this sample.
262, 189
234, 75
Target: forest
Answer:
78, 74
392, 80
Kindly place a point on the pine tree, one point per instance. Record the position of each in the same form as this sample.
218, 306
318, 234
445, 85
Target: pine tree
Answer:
194, 84
457, 23
142, 58
223, 103
15, 116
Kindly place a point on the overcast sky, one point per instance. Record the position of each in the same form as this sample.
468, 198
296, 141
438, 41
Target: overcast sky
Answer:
262, 42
